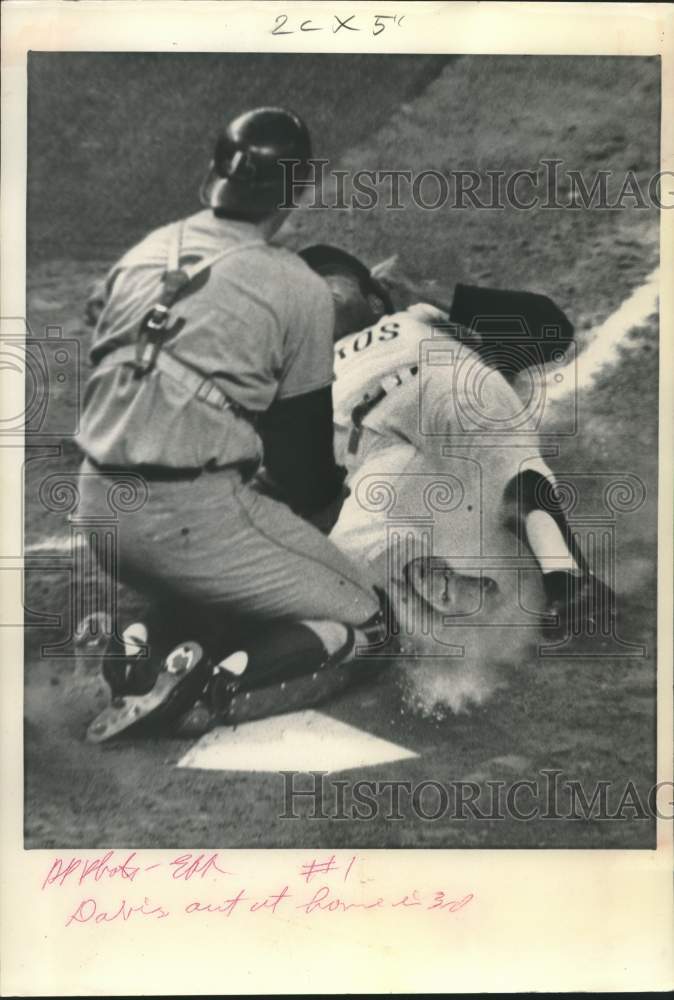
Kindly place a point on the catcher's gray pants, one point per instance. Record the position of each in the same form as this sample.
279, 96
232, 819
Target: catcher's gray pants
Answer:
218, 541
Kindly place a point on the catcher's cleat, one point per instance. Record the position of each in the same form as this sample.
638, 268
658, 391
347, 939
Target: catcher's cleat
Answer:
158, 693
579, 602
133, 670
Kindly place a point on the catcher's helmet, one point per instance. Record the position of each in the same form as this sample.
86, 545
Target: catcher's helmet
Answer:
247, 176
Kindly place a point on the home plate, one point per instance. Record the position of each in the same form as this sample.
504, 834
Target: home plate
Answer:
299, 741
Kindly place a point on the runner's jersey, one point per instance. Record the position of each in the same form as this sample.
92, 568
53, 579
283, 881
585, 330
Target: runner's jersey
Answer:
438, 392
392, 347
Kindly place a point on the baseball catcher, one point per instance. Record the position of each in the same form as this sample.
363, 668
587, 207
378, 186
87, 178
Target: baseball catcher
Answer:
212, 348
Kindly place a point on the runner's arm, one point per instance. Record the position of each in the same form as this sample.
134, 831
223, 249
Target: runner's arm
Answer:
298, 450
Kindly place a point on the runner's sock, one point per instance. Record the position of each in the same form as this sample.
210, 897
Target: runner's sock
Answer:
548, 544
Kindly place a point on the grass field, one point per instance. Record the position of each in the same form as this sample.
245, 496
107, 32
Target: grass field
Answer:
136, 133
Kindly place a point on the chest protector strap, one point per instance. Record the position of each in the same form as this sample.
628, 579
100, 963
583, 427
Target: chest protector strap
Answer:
153, 330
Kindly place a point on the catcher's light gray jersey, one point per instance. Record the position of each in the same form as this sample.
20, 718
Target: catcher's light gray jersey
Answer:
259, 322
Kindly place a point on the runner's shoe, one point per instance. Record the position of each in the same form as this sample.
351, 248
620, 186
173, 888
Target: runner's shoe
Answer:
579, 601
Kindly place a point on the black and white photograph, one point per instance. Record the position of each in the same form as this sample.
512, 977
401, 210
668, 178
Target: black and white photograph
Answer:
341, 490
341, 430
336, 537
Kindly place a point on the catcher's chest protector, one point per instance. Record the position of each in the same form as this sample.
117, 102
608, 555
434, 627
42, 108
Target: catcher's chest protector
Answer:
143, 393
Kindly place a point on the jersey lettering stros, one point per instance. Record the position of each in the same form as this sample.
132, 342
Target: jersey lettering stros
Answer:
421, 381
444, 411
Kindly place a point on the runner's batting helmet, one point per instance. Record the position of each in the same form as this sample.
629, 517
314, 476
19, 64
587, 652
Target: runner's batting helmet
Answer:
325, 259
247, 176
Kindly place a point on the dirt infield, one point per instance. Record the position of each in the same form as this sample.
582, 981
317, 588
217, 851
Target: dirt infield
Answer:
121, 121
118, 142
